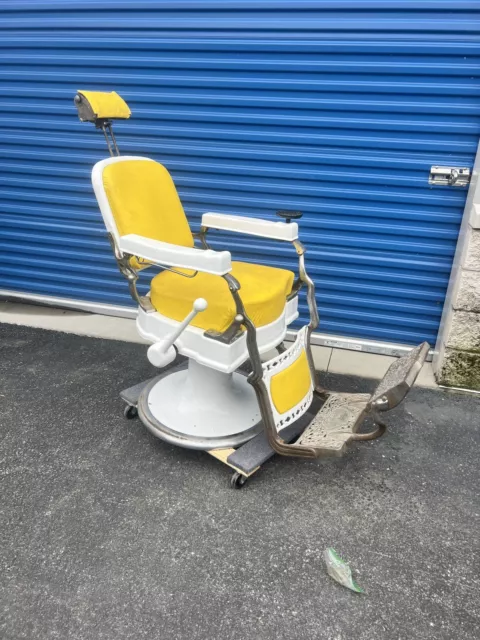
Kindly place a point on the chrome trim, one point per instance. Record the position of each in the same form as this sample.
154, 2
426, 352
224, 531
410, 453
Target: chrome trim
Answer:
106, 125
252, 346
179, 273
104, 129
313, 311
276, 442
131, 275
355, 344
255, 378
112, 136
202, 236
233, 331
305, 278
371, 435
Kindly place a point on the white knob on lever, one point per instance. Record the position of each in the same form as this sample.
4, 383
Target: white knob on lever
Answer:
162, 353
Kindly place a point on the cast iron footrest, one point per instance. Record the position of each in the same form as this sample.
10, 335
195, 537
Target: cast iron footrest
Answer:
342, 414
333, 426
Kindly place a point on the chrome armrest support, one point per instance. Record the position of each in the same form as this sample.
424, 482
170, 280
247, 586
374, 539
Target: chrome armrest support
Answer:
242, 319
313, 311
305, 278
202, 236
125, 268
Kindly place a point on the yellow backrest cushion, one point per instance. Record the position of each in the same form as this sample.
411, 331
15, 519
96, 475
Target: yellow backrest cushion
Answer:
107, 105
143, 200
291, 385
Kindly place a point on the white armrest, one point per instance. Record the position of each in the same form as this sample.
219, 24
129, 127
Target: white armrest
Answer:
216, 262
251, 226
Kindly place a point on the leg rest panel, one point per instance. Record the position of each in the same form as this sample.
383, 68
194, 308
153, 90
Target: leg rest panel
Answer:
334, 424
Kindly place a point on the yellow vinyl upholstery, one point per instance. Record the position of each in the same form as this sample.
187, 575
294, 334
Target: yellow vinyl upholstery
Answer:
107, 105
291, 385
263, 291
144, 200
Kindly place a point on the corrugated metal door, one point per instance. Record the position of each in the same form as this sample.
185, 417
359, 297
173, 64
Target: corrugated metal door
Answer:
334, 108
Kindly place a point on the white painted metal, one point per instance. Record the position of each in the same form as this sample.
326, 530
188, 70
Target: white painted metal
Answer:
204, 403
212, 353
162, 353
251, 226
163, 253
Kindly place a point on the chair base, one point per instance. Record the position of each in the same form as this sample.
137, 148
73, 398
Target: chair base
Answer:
243, 460
196, 407
201, 408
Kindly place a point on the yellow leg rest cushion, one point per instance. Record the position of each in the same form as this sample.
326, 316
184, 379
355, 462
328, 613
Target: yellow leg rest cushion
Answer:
291, 385
263, 291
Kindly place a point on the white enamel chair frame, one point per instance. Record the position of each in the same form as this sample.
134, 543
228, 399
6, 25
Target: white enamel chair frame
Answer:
99, 189
251, 226
225, 357
217, 263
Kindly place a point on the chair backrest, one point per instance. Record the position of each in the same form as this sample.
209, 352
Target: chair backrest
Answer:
137, 195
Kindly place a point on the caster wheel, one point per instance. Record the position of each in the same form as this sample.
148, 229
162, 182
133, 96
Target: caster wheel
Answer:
130, 412
238, 480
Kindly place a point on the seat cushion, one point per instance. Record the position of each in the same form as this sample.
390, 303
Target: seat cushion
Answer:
263, 291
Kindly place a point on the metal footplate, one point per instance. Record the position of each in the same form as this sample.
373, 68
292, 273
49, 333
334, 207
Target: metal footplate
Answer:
341, 415
333, 426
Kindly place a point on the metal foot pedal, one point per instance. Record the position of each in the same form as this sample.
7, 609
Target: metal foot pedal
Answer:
336, 422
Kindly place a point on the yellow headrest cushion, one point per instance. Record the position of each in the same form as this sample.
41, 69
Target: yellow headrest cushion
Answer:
106, 105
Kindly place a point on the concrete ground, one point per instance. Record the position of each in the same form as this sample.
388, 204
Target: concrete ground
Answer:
108, 533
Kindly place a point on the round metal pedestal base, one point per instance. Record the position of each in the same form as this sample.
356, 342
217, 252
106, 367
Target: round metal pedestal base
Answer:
196, 407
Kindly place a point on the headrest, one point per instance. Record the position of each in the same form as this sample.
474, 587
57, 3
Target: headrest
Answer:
100, 105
